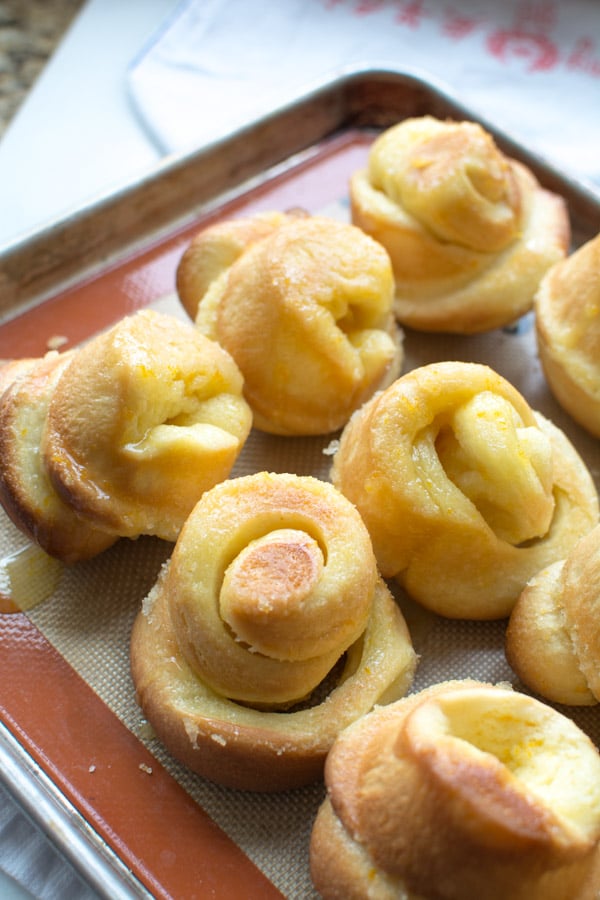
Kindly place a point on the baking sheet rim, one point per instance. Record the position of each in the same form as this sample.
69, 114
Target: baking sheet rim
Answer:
21, 776
338, 85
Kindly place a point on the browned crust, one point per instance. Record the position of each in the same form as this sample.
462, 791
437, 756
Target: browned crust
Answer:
26, 493
437, 820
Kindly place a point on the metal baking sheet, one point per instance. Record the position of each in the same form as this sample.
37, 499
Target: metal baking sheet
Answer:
71, 750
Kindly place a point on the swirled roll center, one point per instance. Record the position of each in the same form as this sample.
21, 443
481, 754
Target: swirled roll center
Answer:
267, 588
502, 465
453, 180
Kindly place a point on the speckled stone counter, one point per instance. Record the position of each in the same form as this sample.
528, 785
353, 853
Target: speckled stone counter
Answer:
29, 32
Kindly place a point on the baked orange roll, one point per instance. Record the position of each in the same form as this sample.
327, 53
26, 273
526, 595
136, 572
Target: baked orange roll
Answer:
267, 632
463, 790
466, 491
567, 307
206, 261
553, 634
470, 232
146, 417
26, 493
306, 312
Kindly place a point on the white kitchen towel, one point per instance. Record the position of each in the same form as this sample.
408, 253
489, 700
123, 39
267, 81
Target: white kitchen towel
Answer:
532, 67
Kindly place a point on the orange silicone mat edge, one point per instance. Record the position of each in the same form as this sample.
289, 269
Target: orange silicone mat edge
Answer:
129, 799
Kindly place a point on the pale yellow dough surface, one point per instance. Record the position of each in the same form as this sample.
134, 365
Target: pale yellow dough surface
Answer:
466, 491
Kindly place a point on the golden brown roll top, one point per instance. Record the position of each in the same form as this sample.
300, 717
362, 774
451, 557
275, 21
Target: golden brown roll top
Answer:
26, 492
146, 417
463, 790
212, 252
452, 178
268, 630
567, 310
306, 312
469, 231
454, 473
553, 635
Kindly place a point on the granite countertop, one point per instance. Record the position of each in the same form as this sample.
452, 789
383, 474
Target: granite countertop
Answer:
29, 32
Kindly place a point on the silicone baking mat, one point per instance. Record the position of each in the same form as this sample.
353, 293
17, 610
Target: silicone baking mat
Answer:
66, 695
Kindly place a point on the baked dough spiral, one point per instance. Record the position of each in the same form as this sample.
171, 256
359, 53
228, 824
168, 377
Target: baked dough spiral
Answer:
553, 634
267, 632
304, 306
567, 307
470, 232
146, 417
466, 491
463, 790
26, 492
